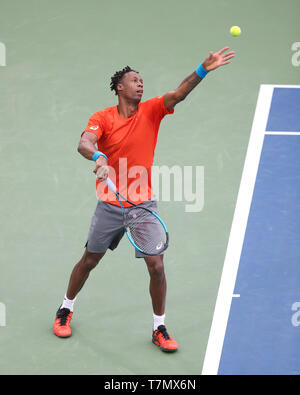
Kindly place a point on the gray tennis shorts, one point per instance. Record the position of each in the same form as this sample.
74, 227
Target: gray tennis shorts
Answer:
107, 229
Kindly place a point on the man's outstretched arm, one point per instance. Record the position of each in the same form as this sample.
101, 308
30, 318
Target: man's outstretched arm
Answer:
212, 62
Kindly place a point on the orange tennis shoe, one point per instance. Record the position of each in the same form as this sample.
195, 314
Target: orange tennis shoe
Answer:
163, 340
61, 327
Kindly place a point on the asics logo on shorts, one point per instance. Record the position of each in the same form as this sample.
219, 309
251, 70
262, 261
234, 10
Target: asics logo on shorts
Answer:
159, 246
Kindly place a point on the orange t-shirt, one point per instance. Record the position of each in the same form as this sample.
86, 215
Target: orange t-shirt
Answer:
129, 144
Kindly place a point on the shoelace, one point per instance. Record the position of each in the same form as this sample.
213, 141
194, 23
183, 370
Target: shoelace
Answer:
162, 329
63, 315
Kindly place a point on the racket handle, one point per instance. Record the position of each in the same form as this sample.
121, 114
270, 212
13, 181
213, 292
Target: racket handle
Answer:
110, 184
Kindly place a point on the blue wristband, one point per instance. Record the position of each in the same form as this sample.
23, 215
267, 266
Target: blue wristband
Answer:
200, 71
97, 154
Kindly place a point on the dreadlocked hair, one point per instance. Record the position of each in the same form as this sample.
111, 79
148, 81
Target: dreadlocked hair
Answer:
116, 78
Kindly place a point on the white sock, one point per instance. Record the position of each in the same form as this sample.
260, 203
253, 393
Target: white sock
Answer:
158, 320
68, 303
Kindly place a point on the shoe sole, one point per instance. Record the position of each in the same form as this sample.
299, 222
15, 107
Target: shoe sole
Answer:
169, 350
62, 337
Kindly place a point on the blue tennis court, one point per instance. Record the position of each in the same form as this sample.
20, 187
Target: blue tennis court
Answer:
262, 333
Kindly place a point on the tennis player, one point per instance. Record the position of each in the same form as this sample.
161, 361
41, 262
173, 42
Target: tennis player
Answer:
126, 134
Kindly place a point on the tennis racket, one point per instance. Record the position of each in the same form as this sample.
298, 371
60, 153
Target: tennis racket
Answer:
144, 229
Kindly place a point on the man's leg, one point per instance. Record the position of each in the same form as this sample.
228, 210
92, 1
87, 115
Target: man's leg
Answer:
158, 290
81, 272
158, 283
78, 277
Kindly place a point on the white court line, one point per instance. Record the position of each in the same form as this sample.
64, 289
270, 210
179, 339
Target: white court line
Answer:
283, 86
237, 233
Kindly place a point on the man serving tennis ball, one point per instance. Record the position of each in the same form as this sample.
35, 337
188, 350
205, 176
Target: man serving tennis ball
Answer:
128, 131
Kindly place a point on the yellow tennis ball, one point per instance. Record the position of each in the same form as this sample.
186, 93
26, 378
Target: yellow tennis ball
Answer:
235, 31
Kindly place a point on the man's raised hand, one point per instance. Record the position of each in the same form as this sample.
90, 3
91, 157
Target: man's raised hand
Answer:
217, 59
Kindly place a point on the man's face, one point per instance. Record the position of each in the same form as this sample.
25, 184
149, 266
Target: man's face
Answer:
131, 86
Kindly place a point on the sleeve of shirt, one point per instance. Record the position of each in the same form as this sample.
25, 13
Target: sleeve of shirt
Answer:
158, 108
95, 125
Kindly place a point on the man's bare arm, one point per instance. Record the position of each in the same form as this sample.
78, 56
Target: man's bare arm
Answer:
87, 145
176, 96
87, 148
212, 62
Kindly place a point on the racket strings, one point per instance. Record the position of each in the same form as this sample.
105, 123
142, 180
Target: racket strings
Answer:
145, 230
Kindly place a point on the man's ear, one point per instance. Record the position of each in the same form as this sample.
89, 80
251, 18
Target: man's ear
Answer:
120, 87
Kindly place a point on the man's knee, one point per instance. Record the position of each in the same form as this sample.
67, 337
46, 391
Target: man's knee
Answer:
155, 266
90, 260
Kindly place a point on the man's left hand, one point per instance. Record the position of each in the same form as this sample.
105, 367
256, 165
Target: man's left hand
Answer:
218, 59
